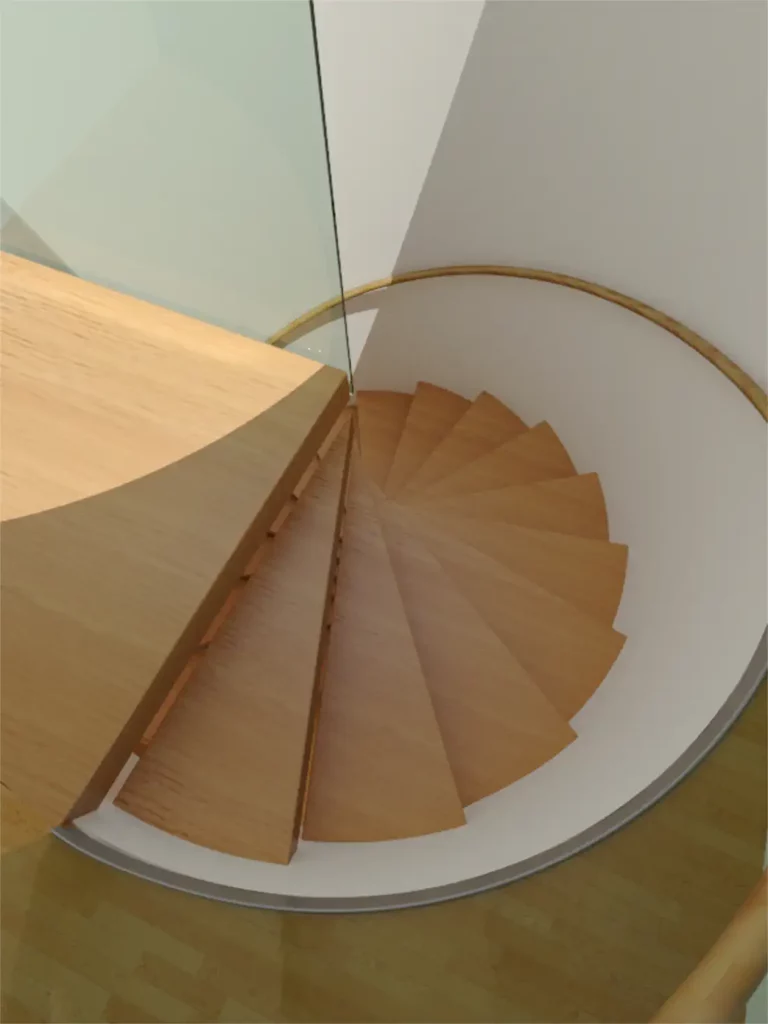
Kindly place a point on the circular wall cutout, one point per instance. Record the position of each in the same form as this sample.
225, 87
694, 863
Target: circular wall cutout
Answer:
685, 489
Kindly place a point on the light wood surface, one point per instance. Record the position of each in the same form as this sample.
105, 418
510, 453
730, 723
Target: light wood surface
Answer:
381, 416
496, 724
573, 505
101, 389
145, 456
603, 938
731, 370
587, 573
485, 425
566, 652
379, 767
227, 768
720, 985
432, 414
538, 454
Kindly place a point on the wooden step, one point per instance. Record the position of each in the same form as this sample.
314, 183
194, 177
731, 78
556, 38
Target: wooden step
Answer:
432, 414
496, 723
379, 768
588, 573
538, 454
380, 416
574, 505
227, 767
567, 652
485, 425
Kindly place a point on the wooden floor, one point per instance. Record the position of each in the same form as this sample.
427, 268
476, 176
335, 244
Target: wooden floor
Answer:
604, 937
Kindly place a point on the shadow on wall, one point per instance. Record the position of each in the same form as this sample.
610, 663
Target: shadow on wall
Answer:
20, 240
601, 140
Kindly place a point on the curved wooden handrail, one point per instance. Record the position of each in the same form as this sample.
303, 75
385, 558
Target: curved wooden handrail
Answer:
746, 385
717, 990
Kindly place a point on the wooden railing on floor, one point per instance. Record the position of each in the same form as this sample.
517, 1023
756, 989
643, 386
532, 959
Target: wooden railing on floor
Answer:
717, 990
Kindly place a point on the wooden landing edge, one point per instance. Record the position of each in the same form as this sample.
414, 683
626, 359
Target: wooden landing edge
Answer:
230, 602
322, 650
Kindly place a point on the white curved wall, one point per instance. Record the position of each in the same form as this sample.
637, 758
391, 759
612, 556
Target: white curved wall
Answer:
622, 142
681, 455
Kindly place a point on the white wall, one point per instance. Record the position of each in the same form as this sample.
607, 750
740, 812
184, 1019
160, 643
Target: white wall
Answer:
389, 73
623, 142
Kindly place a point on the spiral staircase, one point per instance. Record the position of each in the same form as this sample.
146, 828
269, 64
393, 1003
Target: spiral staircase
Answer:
394, 611
428, 613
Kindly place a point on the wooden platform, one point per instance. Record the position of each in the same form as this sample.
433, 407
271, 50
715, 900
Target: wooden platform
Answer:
145, 455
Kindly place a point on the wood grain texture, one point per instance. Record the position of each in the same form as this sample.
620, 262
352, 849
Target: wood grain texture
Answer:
566, 652
380, 416
379, 767
485, 425
573, 505
587, 573
538, 454
227, 768
603, 938
737, 376
496, 724
720, 985
101, 389
432, 414
146, 456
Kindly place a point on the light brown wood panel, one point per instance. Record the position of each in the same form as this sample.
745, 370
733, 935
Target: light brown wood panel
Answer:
380, 417
604, 937
587, 573
496, 723
227, 766
145, 456
379, 767
566, 652
432, 414
574, 505
100, 389
173, 695
719, 987
538, 454
485, 425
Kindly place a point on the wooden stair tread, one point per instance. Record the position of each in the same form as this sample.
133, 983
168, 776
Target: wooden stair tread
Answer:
228, 765
538, 454
432, 414
380, 416
566, 652
379, 768
573, 505
485, 425
587, 573
496, 723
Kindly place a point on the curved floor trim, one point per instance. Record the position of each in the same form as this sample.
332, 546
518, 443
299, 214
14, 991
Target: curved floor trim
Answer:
674, 774
738, 377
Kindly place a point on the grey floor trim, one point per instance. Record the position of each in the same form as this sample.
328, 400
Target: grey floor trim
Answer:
683, 766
